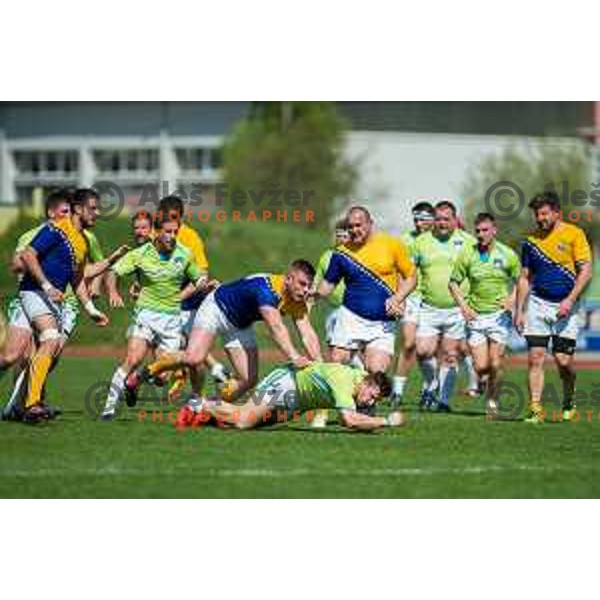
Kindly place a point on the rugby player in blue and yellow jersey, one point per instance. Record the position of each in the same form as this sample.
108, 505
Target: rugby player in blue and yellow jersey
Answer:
557, 266
231, 311
379, 274
55, 258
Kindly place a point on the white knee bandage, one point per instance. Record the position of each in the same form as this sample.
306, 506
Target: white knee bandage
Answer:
49, 335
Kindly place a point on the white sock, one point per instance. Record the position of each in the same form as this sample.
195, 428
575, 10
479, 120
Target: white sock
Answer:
429, 370
447, 381
398, 384
114, 394
218, 372
14, 397
467, 363
356, 361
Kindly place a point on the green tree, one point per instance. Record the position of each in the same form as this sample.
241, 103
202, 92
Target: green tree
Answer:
291, 147
549, 165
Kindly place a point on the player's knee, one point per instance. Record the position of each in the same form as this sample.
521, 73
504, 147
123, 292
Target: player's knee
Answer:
536, 358
50, 340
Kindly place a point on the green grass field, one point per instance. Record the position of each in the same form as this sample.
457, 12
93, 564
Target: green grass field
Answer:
458, 455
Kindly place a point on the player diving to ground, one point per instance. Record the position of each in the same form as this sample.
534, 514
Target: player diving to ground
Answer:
288, 392
230, 312
162, 266
491, 269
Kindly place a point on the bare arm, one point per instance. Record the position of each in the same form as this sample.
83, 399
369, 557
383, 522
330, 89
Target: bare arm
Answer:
32, 265
522, 291
355, 420
584, 276
459, 298
325, 289
309, 337
96, 269
114, 297
281, 335
81, 291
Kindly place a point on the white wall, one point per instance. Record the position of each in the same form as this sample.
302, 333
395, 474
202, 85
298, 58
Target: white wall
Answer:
396, 169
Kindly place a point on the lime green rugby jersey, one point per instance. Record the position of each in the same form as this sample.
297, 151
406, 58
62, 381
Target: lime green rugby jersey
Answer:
161, 277
490, 275
327, 385
435, 260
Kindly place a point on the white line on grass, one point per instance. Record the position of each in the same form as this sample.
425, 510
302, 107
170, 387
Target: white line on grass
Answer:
115, 471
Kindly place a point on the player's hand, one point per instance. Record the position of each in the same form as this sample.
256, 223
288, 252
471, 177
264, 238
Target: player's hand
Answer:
565, 308
135, 290
395, 419
55, 295
301, 362
116, 301
468, 313
519, 322
210, 284
100, 319
508, 305
394, 307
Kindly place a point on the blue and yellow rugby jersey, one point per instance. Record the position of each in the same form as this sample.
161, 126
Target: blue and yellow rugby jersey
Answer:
552, 260
242, 299
370, 273
61, 249
190, 238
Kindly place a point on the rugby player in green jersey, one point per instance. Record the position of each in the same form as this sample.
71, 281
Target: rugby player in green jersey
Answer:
441, 324
286, 393
491, 269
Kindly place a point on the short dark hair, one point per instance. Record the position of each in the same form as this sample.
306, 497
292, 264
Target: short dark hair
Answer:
170, 205
548, 198
341, 224
162, 218
362, 209
142, 214
56, 198
82, 196
382, 381
423, 207
447, 204
484, 216
304, 266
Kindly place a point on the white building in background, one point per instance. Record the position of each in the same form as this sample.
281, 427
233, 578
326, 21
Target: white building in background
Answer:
405, 150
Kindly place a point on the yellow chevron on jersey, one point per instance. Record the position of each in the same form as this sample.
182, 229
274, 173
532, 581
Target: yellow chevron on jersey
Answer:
552, 260
383, 256
286, 306
76, 239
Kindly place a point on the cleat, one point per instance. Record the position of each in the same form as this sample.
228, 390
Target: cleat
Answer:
473, 393
220, 374
201, 418
428, 400
320, 419
185, 417
569, 412
395, 400
438, 407
36, 414
108, 417
132, 383
535, 414
53, 411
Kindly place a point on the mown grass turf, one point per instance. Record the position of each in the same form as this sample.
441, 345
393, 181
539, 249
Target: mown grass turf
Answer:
458, 455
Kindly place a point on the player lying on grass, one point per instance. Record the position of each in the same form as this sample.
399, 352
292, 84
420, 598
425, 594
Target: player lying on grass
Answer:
491, 269
55, 258
231, 311
20, 339
163, 266
288, 392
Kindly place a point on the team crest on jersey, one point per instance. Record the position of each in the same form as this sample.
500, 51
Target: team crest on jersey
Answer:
498, 263
458, 243
562, 247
